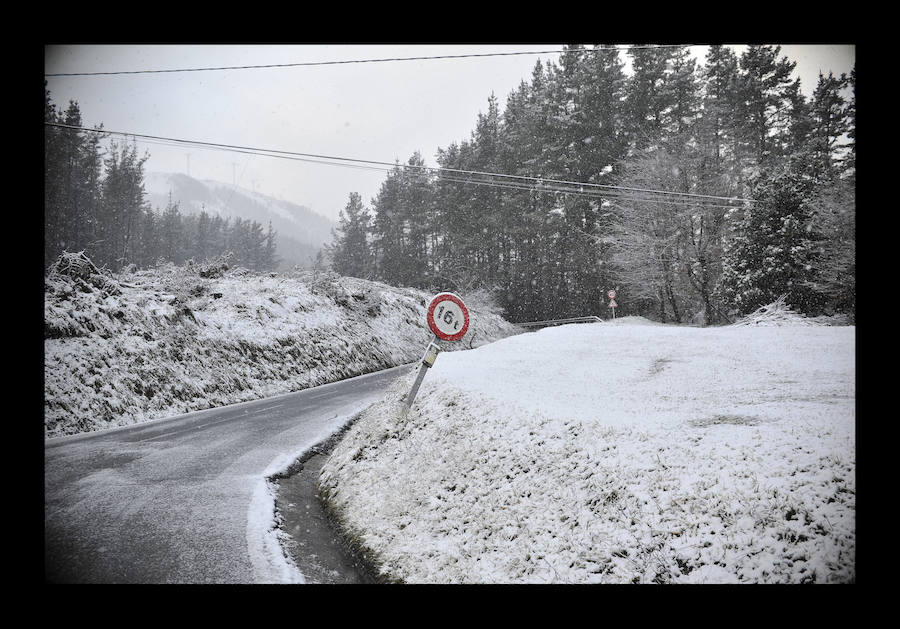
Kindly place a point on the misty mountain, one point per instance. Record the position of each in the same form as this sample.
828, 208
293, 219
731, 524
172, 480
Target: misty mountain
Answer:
301, 231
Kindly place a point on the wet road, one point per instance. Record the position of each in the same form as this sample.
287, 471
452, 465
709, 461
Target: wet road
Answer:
178, 500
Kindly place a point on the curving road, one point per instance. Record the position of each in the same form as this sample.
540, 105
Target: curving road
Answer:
184, 500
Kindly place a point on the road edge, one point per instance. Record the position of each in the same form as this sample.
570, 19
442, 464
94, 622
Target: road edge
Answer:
359, 556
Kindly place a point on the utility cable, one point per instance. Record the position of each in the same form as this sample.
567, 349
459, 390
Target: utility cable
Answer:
538, 181
388, 59
603, 196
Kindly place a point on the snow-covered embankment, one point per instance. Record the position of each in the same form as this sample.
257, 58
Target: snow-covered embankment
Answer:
121, 349
616, 452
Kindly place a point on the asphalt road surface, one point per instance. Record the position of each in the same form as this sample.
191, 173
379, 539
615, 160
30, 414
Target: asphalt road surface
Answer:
175, 500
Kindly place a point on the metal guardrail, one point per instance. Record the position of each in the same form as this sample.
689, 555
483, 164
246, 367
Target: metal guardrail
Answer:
541, 324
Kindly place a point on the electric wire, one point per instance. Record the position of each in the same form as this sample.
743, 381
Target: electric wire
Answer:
383, 60
441, 177
549, 183
603, 196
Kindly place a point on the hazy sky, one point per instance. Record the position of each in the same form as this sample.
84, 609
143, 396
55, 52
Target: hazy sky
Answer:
382, 111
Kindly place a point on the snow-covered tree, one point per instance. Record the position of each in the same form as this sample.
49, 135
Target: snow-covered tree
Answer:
350, 254
834, 220
773, 249
123, 199
829, 124
765, 90
72, 180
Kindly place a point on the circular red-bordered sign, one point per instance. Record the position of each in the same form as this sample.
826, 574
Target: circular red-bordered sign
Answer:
611, 294
448, 317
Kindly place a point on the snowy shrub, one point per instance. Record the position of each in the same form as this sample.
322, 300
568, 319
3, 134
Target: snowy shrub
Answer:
78, 269
216, 268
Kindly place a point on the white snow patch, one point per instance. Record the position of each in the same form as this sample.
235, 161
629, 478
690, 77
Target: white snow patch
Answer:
268, 559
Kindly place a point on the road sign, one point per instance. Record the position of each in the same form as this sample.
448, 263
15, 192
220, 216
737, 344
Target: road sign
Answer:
448, 317
611, 294
612, 303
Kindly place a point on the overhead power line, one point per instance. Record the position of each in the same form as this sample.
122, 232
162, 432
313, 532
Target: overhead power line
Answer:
350, 61
519, 181
605, 196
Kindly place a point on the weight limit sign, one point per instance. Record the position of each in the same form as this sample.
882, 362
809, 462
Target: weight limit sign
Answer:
448, 317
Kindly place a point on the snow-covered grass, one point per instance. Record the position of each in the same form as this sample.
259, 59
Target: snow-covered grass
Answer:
616, 452
142, 345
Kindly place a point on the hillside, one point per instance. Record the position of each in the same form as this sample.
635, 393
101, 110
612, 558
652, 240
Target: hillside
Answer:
631, 452
301, 231
120, 349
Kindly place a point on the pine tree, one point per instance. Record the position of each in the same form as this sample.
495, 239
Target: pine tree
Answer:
594, 133
416, 204
773, 250
765, 88
797, 123
149, 248
53, 243
834, 222
122, 202
486, 202
72, 167
171, 233
602, 139
202, 238
217, 242
683, 88
830, 123
239, 242
388, 230
350, 254
454, 254
255, 245
850, 161
270, 258
647, 99
718, 127
530, 148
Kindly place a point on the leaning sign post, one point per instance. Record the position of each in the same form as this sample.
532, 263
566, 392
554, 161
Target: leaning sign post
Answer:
612, 302
448, 318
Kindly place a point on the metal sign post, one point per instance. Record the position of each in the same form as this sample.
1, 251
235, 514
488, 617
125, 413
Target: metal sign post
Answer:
612, 302
448, 318
428, 359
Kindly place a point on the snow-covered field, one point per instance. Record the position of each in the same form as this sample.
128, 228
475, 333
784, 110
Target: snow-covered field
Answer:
616, 452
121, 349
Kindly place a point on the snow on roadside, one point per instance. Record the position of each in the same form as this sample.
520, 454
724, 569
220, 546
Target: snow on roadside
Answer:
618, 452
266, 539
148, 344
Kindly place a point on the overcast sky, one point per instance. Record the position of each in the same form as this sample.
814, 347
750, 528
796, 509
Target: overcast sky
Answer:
378, 111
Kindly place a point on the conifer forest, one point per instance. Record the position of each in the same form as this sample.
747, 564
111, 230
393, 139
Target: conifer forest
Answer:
95, 202
698, 189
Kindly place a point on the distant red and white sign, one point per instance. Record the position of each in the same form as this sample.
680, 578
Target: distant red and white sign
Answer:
448, 317
611, 294
612, 303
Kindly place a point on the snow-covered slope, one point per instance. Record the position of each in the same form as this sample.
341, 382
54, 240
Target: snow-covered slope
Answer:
615, 452
137, 346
